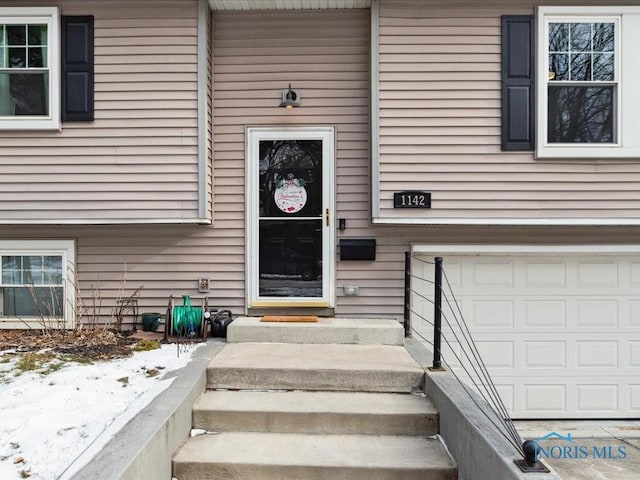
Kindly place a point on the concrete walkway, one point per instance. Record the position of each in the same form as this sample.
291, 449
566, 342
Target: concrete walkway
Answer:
604, 449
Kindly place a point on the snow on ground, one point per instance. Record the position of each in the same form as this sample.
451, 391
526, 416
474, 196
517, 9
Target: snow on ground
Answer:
49, 421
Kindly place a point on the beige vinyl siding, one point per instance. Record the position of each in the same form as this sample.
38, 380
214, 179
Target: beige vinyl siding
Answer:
439, 97
324, 54
165, 260
137, 162
112, 262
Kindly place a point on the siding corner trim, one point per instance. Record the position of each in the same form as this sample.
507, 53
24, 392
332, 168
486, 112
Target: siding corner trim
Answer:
203, 110
374, 42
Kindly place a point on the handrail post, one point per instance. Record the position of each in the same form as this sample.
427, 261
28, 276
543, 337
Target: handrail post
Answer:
437, 315
407, 294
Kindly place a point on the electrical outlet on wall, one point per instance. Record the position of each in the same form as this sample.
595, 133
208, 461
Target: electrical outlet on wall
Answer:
351, 290
203, 285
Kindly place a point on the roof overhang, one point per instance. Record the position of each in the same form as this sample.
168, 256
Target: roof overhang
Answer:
287, 4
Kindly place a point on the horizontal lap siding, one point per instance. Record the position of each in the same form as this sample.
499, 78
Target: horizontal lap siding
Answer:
138, 160
440, 125
113, 262
325, 55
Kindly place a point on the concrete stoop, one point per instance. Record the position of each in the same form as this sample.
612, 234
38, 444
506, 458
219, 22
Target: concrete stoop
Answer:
314, 411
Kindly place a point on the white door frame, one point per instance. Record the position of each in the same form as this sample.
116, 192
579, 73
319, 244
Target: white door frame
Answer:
252, 138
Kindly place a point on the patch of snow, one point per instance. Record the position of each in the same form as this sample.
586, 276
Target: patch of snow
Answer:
51, 425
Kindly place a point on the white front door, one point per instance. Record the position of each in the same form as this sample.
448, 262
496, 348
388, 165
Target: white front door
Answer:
290, 224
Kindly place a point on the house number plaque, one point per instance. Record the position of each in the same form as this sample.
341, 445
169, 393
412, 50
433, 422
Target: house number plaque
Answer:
413, 199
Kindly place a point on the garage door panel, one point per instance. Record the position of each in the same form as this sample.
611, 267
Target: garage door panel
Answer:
492, 274
507, 395
634, 355
546, 274
635, 273
634, 318
491, 314
550, 354
497, 355
544, 398
597, 354
542, 313
597, 313
595, 398
597, 274
560, 334
634, 398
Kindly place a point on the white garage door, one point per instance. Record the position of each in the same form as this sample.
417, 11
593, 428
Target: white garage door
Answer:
558, 330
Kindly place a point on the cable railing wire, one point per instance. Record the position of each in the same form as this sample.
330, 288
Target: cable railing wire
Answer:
481, 371
422, 260
488, 392
469, 340
498, 426
513, 441
477, 365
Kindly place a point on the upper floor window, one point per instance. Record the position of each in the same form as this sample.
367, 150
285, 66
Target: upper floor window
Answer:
29, 68
582, 87
586, 101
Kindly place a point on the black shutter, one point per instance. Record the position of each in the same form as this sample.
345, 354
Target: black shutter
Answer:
77, 68
518, 77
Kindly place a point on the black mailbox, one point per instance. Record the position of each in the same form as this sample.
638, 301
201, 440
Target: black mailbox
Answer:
357, 249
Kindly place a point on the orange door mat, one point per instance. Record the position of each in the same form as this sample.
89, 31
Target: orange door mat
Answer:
289, 318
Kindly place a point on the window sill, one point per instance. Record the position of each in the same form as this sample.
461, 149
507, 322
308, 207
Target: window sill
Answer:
27, 124
592, 151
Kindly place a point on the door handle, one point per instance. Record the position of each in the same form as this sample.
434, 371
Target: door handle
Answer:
326, 216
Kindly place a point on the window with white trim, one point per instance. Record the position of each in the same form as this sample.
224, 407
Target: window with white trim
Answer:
29, 68
587, 63
35, 282
582, 83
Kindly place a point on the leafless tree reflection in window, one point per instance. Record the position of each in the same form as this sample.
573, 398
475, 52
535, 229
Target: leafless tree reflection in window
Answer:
581, 114
581, 58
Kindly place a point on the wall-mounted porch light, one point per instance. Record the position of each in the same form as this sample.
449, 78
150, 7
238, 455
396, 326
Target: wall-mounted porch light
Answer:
290, 98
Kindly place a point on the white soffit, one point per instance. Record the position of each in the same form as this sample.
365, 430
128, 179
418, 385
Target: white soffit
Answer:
287, 4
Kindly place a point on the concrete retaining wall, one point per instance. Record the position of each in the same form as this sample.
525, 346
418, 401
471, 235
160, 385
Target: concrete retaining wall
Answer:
144, 448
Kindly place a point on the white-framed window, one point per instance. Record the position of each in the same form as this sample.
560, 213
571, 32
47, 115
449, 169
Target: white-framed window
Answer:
587, 71
36, 282
29, 68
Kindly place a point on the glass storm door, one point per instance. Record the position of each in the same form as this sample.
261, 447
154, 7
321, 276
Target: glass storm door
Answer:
290, 217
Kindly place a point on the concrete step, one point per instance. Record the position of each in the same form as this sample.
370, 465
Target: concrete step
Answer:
326, 330
315, 412
284, 366
269, 456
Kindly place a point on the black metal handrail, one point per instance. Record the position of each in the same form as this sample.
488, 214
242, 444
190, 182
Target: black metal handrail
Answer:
476, 371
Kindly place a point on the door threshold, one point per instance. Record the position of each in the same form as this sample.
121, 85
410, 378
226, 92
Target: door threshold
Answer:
298, 311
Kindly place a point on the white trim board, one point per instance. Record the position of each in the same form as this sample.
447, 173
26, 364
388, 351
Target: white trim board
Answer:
203, 110
253, 135
508, 221
516, 250
93, 221
375, 107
